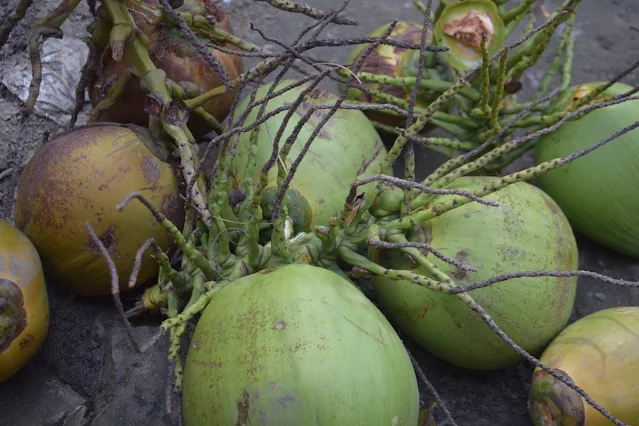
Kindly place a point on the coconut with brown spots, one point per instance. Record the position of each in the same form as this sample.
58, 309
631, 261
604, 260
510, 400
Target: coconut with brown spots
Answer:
82, 175
24, 302
599, 354
297, 345
177, 57
526, 232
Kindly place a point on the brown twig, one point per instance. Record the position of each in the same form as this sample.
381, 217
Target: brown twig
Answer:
539, 274
409, 184
6, 172
138, 260
409, 148
431, 388
88, 72
115, 288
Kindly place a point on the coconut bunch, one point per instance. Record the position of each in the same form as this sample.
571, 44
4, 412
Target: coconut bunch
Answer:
265, 254
472, 31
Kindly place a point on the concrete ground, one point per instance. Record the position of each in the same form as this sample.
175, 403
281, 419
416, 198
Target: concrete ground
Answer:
85, 369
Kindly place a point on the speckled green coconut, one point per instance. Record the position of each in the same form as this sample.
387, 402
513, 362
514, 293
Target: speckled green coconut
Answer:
298, 345
599, 192
527, 232
326, 173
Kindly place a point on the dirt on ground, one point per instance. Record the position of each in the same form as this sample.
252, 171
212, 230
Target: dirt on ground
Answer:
85, 353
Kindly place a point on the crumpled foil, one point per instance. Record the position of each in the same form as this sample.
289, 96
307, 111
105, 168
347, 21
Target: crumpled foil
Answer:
62, 62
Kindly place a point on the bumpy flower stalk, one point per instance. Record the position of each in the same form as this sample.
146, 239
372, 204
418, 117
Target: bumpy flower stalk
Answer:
427, 84
114, 92
563, 57
483, 109
176, 334
530, 53
517, 11
520, 176
424, 118
193, 254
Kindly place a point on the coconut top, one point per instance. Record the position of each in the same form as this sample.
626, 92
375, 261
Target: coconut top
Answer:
468, 30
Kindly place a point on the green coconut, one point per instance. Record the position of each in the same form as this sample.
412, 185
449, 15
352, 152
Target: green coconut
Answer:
460, 26
298, 345
526, 232
323, 178
598, 192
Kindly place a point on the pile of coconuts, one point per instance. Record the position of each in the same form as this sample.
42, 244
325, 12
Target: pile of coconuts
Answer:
300, 343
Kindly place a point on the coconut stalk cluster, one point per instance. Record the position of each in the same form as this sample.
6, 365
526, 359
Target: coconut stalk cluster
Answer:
262, 239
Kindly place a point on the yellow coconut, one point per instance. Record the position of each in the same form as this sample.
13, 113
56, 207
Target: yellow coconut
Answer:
600, 353
81, 176
24, 303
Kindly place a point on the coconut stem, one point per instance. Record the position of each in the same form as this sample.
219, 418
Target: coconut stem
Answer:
444, 142
87, 75
483, 109
176, 333
115, 90
10, 22
115, 287
528, 56
178, 92
355, 259
46, 27
194, 309
193, 254
426, 84
563, 56
499, 94
517, 11
409, 154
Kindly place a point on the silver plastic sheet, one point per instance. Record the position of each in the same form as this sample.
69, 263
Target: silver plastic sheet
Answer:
62, 62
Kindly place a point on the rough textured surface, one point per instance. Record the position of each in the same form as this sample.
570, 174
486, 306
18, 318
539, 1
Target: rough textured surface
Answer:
134, 394
39, 398
76, 350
